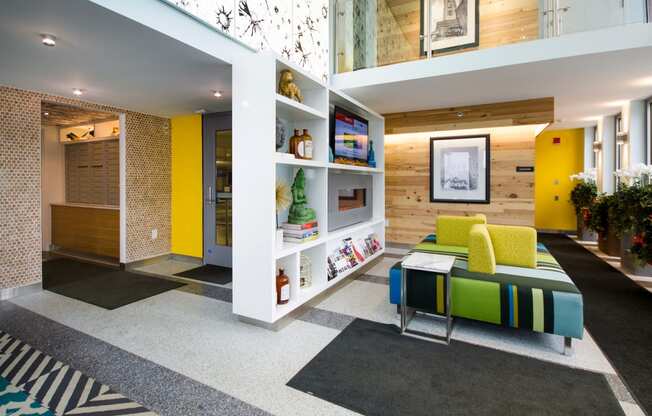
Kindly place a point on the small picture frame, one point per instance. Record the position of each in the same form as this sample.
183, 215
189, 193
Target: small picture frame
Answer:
460, 169
454, 24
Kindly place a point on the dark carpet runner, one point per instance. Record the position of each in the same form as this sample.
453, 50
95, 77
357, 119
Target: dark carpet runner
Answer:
617, 312
371, 369
102, 286
209, 273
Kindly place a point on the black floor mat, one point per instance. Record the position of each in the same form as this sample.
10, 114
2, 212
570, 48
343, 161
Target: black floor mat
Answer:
617, 312
209, 273
371, 369
101, 286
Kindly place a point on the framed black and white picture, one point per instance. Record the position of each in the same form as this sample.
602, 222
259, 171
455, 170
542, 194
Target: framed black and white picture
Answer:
454, 24
459, 169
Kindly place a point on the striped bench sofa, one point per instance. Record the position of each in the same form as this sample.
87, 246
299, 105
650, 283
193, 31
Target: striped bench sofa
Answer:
541, 299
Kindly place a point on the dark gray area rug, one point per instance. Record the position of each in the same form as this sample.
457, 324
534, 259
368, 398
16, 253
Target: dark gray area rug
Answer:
371, 369
102, 286
617, 312
209, 273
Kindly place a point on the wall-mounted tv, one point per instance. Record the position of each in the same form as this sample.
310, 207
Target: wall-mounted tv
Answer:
349, 136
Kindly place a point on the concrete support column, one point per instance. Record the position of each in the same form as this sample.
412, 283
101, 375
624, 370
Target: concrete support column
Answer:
634, 115
607, 156
589, 136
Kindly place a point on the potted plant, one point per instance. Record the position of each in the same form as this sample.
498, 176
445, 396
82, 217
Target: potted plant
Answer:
602, 213
633, 218
582, 197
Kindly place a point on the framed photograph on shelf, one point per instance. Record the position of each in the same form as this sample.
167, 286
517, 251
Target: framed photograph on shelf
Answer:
454, 24
460, 169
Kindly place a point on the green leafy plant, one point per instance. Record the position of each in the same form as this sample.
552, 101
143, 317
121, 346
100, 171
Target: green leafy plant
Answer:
602, 213
583, 195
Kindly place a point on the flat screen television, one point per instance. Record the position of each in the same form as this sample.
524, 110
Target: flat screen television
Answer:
349, 136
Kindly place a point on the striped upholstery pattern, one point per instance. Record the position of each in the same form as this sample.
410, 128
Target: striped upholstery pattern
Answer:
543, 299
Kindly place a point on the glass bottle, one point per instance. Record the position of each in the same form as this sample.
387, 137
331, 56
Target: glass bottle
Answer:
305, 145
282, 288
294, 142
371, 156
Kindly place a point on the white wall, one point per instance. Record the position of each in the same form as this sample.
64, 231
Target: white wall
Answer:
607, 135
53, 188
634, 115
589, 136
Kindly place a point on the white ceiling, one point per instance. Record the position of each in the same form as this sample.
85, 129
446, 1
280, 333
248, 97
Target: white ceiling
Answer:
584, 86
116, 61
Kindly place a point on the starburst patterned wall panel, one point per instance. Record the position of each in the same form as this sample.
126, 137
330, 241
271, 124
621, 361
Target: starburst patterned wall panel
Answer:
295, 29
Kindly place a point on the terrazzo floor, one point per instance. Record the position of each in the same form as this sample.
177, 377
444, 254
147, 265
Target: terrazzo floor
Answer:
189, 335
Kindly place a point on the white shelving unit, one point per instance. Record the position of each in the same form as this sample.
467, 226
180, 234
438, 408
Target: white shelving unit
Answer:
257, 166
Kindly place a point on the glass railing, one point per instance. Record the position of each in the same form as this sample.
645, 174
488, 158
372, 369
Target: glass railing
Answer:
370, 33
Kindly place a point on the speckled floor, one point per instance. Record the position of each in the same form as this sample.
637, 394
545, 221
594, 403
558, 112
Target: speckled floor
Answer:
185, 343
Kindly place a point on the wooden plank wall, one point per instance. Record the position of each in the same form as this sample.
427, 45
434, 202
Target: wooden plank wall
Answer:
501, 22
407, 158
407, 195
511, 113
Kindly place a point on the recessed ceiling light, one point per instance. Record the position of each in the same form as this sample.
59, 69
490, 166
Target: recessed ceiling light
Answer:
77, 91
460, 114
48, 40
46, 114
217, 94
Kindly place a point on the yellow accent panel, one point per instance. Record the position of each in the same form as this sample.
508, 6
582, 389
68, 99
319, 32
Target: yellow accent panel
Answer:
187, 226
481, 251
554, 163
513, 245
454, 230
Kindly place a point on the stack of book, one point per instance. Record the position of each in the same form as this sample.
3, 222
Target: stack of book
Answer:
300, 233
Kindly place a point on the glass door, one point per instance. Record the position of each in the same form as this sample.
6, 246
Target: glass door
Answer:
218, 189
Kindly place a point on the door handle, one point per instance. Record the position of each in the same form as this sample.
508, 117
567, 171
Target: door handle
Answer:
210, 199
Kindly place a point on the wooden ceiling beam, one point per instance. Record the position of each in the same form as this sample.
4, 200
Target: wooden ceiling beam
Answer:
511, 113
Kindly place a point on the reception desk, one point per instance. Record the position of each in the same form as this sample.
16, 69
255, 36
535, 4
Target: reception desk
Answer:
91, 229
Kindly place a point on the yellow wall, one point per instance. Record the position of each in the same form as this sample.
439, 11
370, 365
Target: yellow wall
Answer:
186, 136
554, 164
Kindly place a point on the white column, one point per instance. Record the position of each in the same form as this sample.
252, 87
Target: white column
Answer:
589, 136
634, 125
607, 134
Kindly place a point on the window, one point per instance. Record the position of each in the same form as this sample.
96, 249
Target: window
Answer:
648, 142
619, 148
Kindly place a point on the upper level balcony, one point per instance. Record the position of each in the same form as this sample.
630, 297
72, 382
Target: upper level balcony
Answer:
374, 33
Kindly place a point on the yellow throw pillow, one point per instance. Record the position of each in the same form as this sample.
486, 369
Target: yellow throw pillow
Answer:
481, 251
514, 246
454, 230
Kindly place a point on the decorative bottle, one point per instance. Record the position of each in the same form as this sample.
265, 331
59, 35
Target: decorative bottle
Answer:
294, 142
282, 288
304, 147
371, 156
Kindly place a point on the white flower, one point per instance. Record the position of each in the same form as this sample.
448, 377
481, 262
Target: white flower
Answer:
587, 177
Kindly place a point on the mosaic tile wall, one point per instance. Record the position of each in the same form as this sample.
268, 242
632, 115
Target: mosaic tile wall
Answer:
294, 29
148, 183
